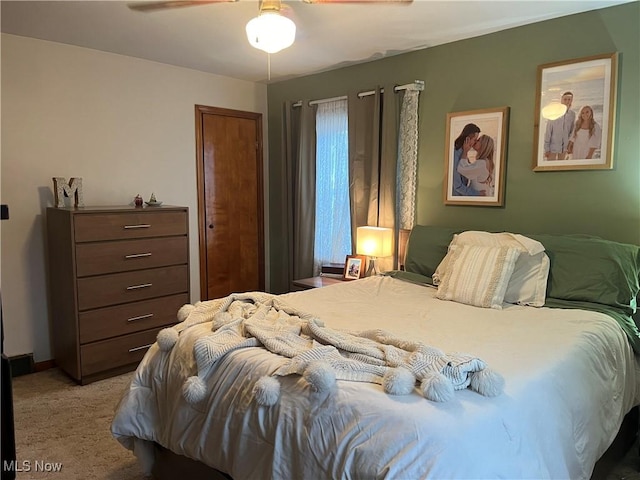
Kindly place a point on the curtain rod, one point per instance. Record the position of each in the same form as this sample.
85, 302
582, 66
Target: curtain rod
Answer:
417, 85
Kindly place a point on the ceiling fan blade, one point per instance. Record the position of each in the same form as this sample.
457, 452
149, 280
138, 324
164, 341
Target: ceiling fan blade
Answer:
150, 6
269, 6
406, 2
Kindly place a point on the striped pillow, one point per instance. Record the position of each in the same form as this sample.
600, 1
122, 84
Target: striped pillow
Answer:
528, 284
478, 275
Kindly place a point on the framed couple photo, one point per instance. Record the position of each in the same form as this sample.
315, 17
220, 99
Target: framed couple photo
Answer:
575, 114
475, 157
354, 267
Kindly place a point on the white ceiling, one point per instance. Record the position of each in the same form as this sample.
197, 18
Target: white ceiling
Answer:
211, 38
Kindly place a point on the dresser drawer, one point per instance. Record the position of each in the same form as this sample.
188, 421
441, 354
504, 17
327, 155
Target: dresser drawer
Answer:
130, 318
117, 226
122, 256
117, 288
117, 352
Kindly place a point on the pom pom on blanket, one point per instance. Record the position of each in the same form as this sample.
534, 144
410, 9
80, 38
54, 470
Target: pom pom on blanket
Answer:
167, 338
436, 387
320, 376
184, 311
487, 382
398, 381
194, 390
267, 391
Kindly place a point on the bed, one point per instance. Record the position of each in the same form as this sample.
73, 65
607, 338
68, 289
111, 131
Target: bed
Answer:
528, 376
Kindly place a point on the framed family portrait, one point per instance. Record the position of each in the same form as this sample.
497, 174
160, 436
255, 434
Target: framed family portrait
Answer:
354, 267
575, 114
474, 162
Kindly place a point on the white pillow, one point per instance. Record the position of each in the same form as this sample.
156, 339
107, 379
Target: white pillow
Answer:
528, 284
478, 275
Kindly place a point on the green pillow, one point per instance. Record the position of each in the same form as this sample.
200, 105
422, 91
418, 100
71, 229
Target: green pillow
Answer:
426, 248
590, 269
410, 277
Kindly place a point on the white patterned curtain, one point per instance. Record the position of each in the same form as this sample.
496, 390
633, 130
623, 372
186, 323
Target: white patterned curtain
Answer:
333, 218
408, 159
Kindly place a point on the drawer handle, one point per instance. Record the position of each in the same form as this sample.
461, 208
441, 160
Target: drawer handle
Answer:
140, 317
142, 285
131, 350
142, 225
138, 255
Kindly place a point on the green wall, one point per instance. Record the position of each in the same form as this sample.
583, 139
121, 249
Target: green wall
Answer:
492, 71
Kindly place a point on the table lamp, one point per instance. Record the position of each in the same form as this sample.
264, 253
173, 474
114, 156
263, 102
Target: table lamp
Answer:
374, 242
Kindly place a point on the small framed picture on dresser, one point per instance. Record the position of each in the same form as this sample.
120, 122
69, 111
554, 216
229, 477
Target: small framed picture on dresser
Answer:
354, 267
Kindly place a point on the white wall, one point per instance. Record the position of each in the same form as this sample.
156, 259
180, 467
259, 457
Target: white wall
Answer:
124, 125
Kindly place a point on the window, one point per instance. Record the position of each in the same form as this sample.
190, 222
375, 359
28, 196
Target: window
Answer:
333, 217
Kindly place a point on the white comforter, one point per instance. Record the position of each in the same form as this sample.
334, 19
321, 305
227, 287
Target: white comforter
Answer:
570, 377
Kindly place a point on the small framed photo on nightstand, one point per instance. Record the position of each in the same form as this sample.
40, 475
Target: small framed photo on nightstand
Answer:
354, 267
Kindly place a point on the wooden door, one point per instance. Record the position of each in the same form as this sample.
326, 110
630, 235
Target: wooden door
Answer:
230, 201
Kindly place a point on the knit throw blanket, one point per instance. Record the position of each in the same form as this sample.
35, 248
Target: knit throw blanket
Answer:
321, 354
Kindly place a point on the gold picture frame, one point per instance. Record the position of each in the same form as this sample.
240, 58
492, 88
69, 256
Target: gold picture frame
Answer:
580, 136
470, 179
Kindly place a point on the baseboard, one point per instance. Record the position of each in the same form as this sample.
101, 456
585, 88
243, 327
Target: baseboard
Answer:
21, 364
46, 365
24, 365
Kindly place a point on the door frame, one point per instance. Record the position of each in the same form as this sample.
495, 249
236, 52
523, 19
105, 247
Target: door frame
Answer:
200, 111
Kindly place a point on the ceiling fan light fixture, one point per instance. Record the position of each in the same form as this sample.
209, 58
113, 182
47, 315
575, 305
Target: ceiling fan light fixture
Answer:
554, 110
271, 32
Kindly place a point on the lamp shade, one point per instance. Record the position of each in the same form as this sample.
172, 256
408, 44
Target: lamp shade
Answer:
271, 32
374, 241
554, 110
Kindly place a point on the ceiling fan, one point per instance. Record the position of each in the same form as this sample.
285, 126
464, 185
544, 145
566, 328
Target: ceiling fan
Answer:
270, 30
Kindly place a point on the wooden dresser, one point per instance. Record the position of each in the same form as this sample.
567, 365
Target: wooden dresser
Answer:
117, 276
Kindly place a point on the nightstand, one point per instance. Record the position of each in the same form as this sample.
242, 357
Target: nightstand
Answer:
316, 282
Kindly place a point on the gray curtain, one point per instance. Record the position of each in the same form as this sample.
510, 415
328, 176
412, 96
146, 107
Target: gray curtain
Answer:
364, 154
373, 161
299, 147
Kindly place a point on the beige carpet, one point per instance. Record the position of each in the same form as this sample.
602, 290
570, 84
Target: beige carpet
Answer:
58, 421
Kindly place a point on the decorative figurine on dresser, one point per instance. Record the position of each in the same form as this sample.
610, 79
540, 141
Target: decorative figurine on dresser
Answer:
117, 276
